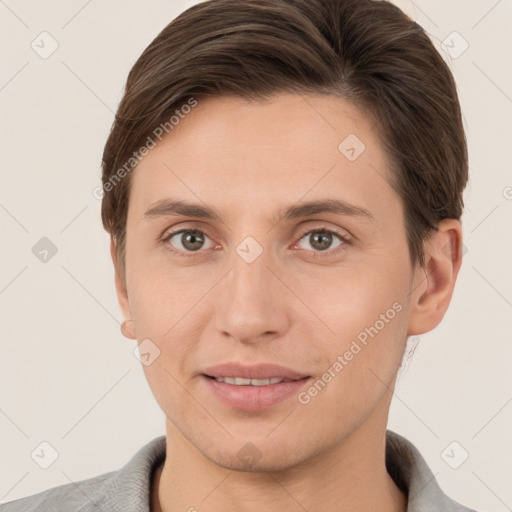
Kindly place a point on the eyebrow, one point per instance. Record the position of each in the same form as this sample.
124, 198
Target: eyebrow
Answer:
169, 207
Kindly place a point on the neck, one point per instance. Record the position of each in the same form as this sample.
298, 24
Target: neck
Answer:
352, 476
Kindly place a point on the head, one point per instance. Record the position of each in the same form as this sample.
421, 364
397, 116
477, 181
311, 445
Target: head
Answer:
249, 109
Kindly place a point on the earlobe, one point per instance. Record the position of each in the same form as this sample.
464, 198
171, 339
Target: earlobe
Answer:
433, 285
128, 325
128, 329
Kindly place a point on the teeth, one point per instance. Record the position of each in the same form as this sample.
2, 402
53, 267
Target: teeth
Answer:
240, 381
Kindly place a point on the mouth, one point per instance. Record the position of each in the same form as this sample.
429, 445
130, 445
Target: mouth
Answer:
256, 374
253, 388
241, 381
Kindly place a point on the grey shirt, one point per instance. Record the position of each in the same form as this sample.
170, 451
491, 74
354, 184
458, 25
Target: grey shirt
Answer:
129, 488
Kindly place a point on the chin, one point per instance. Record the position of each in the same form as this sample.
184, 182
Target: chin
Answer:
264, 464
260, 456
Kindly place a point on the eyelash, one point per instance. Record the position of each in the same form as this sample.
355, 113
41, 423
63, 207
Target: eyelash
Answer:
315, 254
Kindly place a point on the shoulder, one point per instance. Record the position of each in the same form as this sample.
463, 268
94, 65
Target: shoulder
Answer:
410, 471
123, 490
73, 496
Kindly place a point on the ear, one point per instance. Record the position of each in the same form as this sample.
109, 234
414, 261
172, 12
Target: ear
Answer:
433, 285
127, 327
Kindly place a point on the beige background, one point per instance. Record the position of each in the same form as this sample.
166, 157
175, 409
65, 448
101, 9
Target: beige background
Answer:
68, 376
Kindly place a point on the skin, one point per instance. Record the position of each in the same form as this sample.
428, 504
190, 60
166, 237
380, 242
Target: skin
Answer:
247, 160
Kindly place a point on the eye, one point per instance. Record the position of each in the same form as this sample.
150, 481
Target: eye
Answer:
186, 241
321, 240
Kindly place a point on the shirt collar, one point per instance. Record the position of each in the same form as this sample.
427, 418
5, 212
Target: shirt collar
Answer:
412, 475
129, 489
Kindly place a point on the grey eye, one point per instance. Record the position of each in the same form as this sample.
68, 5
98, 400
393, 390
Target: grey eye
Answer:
190, 239
321, 239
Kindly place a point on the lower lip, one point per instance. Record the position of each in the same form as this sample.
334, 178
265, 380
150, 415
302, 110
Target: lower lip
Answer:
254, 398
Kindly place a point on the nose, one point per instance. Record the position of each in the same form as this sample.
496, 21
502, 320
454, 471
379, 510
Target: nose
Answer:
250, 303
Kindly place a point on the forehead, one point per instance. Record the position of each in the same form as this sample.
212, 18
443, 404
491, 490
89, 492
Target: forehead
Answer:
266, 154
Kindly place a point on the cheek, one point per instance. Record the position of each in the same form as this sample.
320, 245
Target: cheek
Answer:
367, 312
169, 391
347, 301
360, 366
163, 296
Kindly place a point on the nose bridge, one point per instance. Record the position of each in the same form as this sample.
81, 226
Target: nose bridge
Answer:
248, 304
249, 277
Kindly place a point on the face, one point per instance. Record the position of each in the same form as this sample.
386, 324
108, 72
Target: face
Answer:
268, 287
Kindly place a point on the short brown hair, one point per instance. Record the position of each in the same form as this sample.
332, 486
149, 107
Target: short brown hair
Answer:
366, 51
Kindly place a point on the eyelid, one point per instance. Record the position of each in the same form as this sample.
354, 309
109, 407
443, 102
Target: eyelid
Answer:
342, 233
174, 232
345, 238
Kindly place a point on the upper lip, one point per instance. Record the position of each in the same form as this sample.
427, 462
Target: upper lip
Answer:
258, 371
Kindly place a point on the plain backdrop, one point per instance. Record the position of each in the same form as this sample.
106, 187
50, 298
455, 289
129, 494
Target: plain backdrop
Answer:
68, 376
